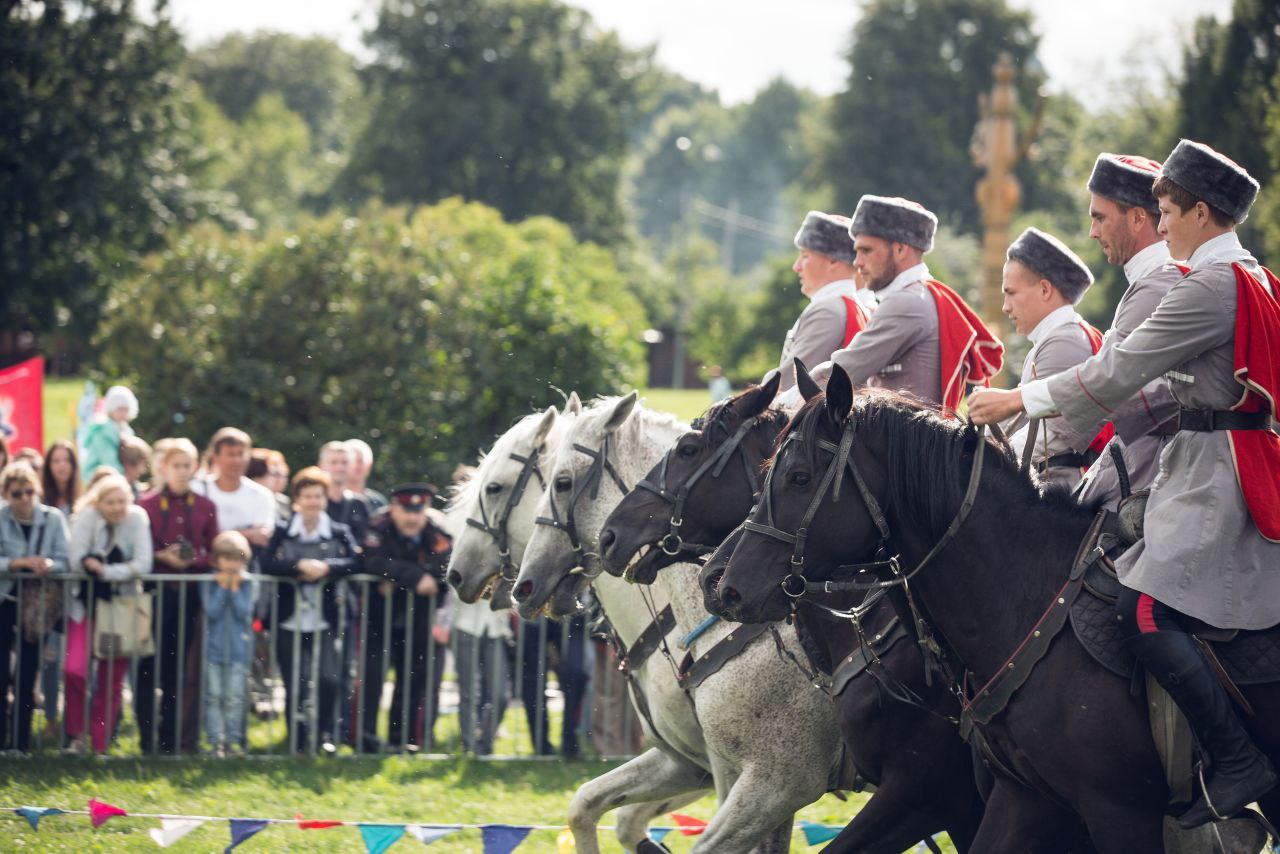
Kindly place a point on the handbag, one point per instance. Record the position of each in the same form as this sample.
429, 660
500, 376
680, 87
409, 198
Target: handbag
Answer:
42, 603
122, 625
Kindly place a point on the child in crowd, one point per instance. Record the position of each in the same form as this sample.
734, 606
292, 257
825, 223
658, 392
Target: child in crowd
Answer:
103, 436
228, 608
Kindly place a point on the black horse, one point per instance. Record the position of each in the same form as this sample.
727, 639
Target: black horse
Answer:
1074, 734
912, 753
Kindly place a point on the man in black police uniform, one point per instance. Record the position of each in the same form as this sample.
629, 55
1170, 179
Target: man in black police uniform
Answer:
404, 548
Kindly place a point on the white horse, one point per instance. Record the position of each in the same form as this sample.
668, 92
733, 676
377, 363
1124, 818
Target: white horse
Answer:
765, 734
500, 500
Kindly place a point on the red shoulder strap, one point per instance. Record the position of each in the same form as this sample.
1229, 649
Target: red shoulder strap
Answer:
1108, 430
855, 319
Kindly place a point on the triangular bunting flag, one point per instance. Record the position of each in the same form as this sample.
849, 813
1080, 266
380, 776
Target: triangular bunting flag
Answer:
242, 829
689, 825
657, 834
426, 834
100, 812
379, 837
503, 838
173, 829
314, 824
34, 814
815, 834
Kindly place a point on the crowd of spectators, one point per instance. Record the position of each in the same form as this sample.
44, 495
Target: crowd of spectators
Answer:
224, 524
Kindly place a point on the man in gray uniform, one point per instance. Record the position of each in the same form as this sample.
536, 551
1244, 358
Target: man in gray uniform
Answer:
1212, 528
1043, 281
835, 311
922, 339
1124, 215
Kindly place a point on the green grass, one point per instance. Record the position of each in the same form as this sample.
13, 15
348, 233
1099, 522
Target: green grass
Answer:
392, 789
61, 394
685, 403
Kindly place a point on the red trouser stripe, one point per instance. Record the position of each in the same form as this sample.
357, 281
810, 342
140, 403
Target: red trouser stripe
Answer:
1146, 619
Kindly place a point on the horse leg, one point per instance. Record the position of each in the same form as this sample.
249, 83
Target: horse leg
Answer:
1019, 821
632, 821
652, 776
750, 817
1117, 828
886, 824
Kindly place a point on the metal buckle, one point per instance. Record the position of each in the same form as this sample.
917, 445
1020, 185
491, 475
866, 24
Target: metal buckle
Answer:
671, 544
789, 585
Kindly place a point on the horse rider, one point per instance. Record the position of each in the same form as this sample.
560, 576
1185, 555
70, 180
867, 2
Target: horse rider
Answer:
1043, 282
837, 309
923, 338
1212, 522
1123, 215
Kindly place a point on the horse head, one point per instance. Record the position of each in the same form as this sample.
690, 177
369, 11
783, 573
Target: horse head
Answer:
498, 502
700, 490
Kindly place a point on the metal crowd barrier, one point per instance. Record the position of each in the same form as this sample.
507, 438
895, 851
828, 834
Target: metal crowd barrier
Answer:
550, 670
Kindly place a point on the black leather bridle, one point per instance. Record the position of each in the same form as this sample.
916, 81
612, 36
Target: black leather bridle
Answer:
497, 529
672, 543
590, 480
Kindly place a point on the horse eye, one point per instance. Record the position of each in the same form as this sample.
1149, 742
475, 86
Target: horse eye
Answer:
688, 450
493, 488
563, 483
798, 478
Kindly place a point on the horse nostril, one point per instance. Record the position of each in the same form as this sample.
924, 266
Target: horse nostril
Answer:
729, 596
607, 539
455, 578
522, 591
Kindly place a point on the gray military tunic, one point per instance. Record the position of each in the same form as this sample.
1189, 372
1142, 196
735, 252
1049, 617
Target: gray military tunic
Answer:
1151, 273
899, 349
818, 331
1202, 554
1060, 344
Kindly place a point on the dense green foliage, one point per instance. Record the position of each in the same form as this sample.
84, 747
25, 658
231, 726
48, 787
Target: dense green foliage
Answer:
425, 335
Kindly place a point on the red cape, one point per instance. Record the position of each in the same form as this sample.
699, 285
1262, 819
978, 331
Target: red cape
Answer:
1108, 430
1257, 367
970, 353
855, 319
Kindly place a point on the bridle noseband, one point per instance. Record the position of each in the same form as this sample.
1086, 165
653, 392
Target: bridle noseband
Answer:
671, 543
591, 480
498, 528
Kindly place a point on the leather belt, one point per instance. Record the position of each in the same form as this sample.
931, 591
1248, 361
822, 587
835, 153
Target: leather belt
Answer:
1206, 420
1069, 460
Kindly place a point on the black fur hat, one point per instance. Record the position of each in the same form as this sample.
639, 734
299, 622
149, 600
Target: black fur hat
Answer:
1217, 180
899, 220
1126, 179
1049, 257
827, 234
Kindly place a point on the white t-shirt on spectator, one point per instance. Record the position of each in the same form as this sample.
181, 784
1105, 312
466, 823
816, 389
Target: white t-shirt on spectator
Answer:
250, 506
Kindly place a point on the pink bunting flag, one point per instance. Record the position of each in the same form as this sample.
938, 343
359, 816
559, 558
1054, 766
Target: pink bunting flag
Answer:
100, 812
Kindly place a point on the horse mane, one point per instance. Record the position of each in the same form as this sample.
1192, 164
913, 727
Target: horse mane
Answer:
718, 413
928, 455
465, 494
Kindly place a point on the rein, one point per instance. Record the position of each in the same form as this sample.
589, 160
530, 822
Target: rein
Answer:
497, 529
671, 543
591, 480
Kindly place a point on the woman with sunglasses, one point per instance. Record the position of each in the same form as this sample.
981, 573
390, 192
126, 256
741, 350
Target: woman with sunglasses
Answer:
33, 542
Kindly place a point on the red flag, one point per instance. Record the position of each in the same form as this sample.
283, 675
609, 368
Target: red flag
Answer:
101, 811
314, 824
22, 405
689, 825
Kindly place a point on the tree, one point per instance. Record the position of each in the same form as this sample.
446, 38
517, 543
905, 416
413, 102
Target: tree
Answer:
92, 156
903, 125
521, 104
426, 334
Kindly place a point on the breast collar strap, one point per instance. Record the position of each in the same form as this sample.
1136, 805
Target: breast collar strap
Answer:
587, 563
672, 543
498, 528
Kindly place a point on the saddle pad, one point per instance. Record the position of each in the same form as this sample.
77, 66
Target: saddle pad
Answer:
1251, 658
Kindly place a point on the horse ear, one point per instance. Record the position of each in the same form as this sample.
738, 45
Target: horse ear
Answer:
621, 411
808, 388
839, 394
544, 426
573, 406
757, 400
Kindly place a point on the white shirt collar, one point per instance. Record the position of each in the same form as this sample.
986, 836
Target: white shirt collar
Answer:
1060, 316
1147, 261
323, 529
918, 273
866, 298
1224, 247
833, 290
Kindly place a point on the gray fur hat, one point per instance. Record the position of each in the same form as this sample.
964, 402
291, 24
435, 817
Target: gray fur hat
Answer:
827, 234
1125, 179
895, 219
1217, 180
1049, 257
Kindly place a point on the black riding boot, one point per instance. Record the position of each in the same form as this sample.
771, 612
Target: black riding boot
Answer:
1238, 773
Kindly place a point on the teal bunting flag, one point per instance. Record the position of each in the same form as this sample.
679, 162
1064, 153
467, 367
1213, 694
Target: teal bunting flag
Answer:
379, 837
34, 814
657, 834
815, 834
